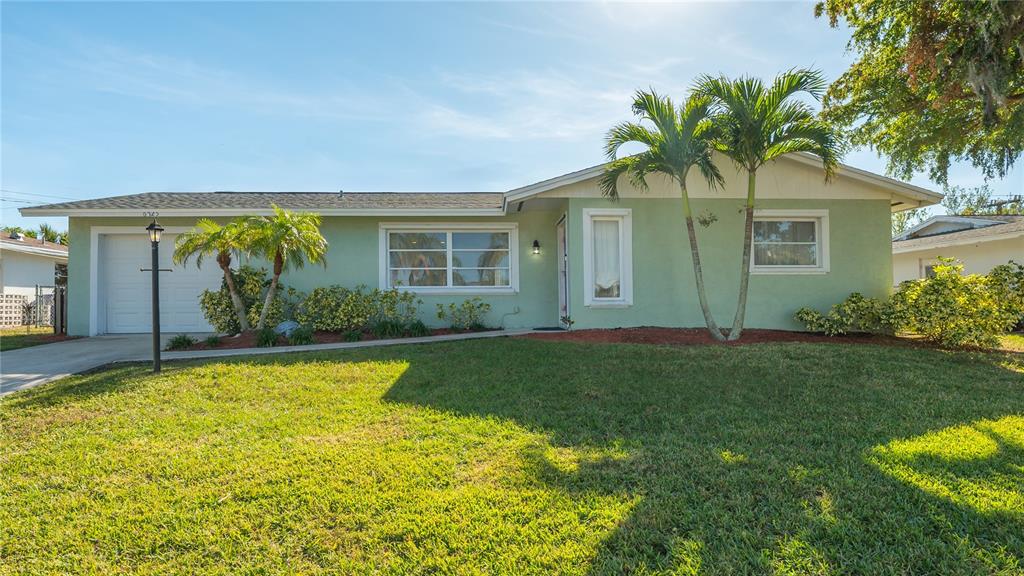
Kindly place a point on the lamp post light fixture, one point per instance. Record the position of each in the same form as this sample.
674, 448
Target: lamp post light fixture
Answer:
154, 230
536, 247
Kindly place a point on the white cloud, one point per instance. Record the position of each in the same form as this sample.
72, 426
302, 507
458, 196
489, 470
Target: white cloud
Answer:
543, 105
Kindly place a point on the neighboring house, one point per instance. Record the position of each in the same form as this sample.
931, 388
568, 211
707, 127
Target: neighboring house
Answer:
980, 242
27, 262
602, 263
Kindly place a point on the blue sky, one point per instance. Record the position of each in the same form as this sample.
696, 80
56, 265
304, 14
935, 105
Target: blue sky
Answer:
107, 99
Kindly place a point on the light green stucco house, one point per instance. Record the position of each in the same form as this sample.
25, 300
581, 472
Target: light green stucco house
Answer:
537, 254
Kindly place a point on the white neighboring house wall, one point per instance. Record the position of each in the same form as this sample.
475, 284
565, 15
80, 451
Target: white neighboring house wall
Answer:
22, 268
988, 245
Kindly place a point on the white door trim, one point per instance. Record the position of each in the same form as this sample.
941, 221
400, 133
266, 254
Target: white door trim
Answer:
94, 263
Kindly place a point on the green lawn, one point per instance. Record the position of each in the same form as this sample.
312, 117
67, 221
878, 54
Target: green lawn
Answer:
512, 456
24, 336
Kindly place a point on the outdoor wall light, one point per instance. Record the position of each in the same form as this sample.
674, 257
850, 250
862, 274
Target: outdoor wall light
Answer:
536, 247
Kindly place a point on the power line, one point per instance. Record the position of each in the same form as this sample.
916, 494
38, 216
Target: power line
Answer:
37, 194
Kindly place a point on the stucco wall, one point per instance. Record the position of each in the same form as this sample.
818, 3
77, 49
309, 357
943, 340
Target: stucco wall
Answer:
663, 281
353, 259
978, 258
21, 272
664, 292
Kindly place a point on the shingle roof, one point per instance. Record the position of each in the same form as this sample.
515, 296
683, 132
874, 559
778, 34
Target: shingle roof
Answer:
290, 200
27, 244
1010, 225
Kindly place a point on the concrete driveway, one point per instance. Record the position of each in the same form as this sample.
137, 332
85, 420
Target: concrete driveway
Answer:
27, 367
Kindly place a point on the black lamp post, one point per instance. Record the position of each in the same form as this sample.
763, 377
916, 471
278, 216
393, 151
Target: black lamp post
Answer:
154, 230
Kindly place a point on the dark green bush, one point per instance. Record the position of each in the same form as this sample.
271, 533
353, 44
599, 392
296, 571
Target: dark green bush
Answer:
301, 336
266, 337
212, 341
181, 342
466, 316
388, 329
417, 328
353, 336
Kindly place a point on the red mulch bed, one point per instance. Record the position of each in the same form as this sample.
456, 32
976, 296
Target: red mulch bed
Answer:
694, 336
248, 340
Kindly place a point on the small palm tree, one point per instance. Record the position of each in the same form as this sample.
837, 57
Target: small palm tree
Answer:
210, 238
48, 234
287, 239
757, 124
681, 139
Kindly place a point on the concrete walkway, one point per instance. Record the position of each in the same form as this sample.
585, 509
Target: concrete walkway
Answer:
35, 365
28, 367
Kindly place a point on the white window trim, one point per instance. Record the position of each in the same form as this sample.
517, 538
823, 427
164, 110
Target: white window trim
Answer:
820, 218
625, 216
513, 254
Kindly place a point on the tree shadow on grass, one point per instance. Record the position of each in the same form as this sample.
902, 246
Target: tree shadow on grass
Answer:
107, 379
751, 459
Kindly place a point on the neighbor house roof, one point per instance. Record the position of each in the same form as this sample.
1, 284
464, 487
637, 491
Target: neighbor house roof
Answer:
330, 203
977, 229
28, 245
396, 203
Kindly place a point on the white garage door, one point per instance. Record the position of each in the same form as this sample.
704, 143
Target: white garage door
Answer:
126, 291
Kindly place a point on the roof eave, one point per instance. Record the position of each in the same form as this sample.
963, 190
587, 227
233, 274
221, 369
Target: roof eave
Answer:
922, 196
214, 212
897, 249
35, 251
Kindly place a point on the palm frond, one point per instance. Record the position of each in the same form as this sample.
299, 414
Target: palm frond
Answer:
628, 132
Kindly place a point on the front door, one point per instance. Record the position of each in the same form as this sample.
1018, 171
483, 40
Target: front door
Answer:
563, 273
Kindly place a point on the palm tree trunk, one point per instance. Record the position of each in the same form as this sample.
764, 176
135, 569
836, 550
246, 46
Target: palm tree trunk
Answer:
278, 268
748, 232
698, 273
236, 300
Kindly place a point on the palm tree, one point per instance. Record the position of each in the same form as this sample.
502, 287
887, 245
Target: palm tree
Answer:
287, 239
210, 238
48, 234
757, 124
681, 139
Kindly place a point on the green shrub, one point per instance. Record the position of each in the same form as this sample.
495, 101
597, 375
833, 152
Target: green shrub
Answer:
301, 336
417, 328
1007, 280
339, 309
388, 329
266, 337
212, 341
949, 308
353, 336
252, 284
953, 309
466, 316
855, 314
181, 342
396, 305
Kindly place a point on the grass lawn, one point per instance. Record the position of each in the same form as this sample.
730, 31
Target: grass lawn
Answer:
514, 456
1014, 342
25, 336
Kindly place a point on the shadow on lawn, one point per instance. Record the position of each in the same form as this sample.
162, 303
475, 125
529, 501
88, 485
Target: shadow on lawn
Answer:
762, 458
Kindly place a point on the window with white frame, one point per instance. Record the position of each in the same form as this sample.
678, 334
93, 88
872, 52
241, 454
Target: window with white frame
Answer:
790, 241
607, 257
442, 258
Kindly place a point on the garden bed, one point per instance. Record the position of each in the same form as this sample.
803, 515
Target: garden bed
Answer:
248, 340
